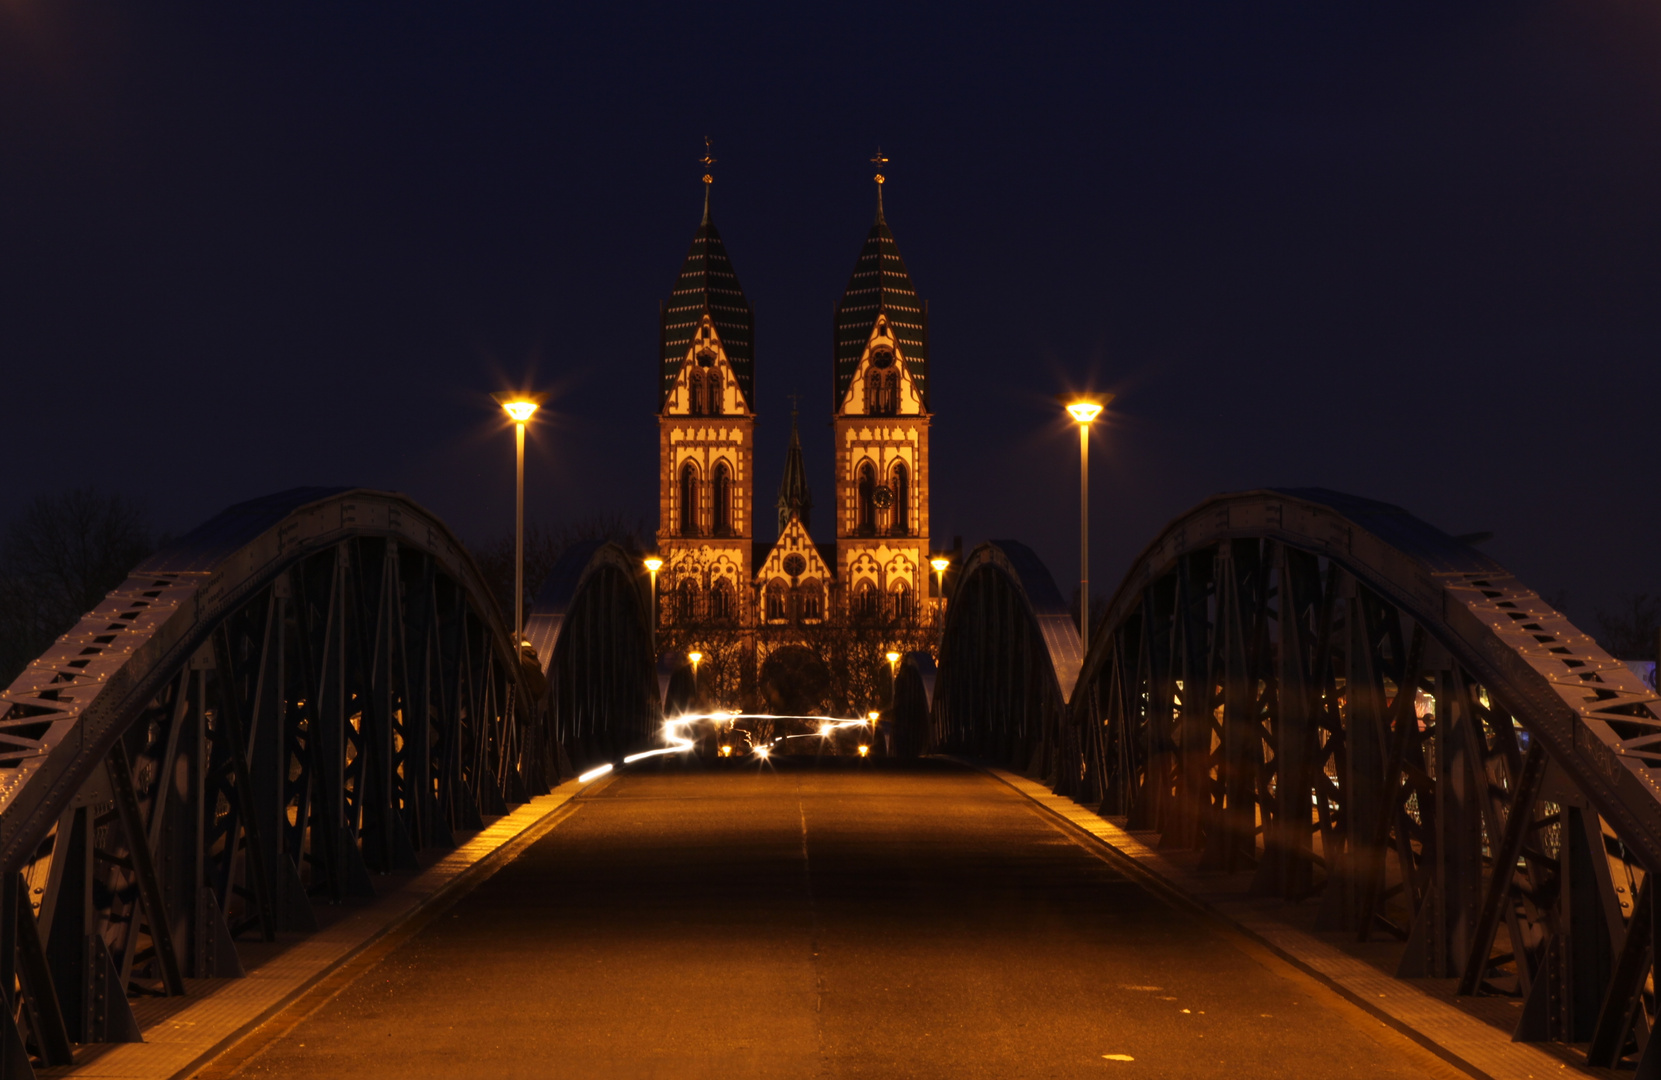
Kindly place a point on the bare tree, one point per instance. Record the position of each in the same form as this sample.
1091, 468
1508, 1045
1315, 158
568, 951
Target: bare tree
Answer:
1629, 632
57, 561
855, 648
543, 546
726, 656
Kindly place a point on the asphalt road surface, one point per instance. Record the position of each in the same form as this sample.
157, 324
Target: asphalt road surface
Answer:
850, 919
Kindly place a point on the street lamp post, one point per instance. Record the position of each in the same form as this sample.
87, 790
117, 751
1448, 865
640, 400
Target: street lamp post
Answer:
696, 658
1084, 410
653, 565
940, 562
519, 408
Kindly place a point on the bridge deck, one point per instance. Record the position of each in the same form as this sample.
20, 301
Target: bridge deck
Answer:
800, 921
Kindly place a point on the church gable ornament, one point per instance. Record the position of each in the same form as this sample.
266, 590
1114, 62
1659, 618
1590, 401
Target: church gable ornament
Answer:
706, 384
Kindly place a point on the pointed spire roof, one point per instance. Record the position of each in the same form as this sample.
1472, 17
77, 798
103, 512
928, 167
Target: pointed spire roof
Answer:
795, 500
708, 285
880, 285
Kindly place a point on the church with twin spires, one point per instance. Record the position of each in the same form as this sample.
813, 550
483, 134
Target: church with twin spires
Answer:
758, 573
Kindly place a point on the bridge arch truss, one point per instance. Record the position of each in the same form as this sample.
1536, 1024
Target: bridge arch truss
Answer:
308, 691
1359, 712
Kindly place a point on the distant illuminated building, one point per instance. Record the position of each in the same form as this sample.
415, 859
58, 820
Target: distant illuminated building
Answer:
746, 603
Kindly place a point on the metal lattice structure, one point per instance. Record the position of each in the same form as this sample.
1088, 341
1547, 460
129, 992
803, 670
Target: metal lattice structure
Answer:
590, 628
1009, 657
308, 690
1358, 711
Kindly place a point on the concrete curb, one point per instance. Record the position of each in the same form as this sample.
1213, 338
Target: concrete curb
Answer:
1462, 1040
190, 1039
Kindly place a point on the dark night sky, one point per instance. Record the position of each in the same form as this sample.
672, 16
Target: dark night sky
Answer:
1410, 251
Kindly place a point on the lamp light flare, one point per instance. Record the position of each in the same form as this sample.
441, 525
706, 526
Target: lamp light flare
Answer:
864, 750
1084, 411
520, 411
654, 565
940, 564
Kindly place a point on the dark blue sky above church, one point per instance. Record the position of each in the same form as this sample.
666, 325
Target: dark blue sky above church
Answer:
1408, 251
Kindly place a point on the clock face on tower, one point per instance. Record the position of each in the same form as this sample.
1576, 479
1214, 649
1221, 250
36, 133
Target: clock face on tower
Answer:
883, 497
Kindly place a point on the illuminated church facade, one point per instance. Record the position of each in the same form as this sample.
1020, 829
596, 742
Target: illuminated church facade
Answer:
723, 575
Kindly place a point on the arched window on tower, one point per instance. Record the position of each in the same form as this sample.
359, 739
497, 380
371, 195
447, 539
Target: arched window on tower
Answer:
686, 602
704, 388
900, 514
867, 601
721, 502
882, 385
901, 601
713, 404
689, 500
867, 500
720, 600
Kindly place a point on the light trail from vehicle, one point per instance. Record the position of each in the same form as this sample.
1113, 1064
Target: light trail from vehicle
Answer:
675, 734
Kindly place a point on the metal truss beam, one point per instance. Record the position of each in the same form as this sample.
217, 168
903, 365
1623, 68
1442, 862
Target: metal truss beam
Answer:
1355, 708
310, 690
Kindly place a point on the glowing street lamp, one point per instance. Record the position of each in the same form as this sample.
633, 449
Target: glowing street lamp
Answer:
653, 565
696, 658
1084, 409
520, 408
940, 562
893, 663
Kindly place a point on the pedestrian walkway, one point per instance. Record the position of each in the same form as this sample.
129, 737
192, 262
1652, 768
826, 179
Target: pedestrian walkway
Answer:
841, 920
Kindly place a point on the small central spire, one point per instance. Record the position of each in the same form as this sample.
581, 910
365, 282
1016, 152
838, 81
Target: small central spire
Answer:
795, 501
879, 161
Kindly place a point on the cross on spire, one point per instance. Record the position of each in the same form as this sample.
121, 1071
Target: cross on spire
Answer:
795, 400
708, 162
880, 161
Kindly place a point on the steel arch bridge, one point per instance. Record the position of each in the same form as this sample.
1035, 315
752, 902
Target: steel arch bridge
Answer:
309, 689
1357, 710
1316, 692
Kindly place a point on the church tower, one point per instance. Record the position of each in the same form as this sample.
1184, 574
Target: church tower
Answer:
882, 432
706, 435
